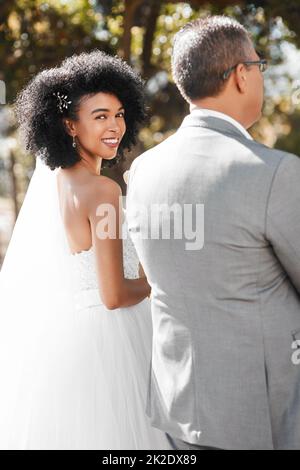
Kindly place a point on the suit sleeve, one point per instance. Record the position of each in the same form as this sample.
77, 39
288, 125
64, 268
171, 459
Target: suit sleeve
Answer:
283, 216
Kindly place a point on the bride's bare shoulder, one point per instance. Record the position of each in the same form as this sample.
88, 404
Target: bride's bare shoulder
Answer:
87, 184
87, 191
103, 186
100, 190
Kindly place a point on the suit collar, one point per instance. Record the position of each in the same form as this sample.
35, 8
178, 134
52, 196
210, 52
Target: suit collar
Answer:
214, 123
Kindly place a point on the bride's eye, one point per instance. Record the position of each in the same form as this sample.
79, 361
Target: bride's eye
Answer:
100, 116
121, 114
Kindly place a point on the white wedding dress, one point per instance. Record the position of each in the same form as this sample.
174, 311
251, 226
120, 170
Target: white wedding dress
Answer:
73, 375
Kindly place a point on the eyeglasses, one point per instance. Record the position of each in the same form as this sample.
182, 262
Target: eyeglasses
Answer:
262, 64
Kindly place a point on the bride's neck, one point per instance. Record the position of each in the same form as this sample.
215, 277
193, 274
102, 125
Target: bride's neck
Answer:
92, 164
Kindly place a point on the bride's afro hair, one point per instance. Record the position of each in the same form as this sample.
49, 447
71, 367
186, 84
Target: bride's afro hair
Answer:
41, 122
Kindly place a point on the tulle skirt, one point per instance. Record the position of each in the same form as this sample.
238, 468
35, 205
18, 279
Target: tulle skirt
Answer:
79, 384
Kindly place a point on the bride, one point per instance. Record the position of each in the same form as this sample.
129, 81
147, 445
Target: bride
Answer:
75, 319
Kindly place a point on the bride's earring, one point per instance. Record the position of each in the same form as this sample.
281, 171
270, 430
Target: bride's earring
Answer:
74, 142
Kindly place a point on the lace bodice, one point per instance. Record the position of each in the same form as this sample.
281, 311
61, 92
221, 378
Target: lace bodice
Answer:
84, 264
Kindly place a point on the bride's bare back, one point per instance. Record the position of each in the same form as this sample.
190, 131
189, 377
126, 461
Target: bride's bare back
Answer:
74, 189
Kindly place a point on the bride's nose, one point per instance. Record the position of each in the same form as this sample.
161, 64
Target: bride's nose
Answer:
113, 125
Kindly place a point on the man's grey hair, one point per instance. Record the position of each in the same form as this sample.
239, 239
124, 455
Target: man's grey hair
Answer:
203, 50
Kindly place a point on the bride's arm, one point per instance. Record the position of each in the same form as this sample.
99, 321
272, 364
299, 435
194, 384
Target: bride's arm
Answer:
104, 209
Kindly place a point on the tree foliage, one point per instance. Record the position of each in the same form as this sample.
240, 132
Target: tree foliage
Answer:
39, 33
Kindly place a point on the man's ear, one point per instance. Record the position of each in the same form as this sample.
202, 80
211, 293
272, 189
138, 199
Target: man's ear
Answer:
69, 125
240, 78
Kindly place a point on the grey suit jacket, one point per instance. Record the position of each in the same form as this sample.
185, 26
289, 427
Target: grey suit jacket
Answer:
225, 370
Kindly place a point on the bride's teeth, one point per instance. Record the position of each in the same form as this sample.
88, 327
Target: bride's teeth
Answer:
110, 141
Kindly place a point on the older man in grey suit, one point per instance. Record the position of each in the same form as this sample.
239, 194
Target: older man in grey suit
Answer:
225, 368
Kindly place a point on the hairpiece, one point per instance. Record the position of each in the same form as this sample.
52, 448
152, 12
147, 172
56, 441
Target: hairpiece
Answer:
62, 102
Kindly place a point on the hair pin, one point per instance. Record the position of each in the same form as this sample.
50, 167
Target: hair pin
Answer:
62, 101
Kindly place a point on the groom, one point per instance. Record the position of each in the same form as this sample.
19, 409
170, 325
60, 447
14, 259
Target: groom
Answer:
225, 368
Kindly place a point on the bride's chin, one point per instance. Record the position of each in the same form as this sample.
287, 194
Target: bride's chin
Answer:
110, 158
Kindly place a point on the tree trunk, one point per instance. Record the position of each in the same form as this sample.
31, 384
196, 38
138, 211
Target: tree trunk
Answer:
130, 9
149, 36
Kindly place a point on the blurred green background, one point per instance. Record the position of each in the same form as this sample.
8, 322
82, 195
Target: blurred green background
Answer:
35, 34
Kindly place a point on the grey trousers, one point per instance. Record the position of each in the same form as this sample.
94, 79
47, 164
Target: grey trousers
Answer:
178, 444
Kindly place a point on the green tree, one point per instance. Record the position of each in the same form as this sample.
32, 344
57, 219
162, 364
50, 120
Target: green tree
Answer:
38, 33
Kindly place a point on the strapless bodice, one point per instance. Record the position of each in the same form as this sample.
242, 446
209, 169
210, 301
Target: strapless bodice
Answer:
85, 274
